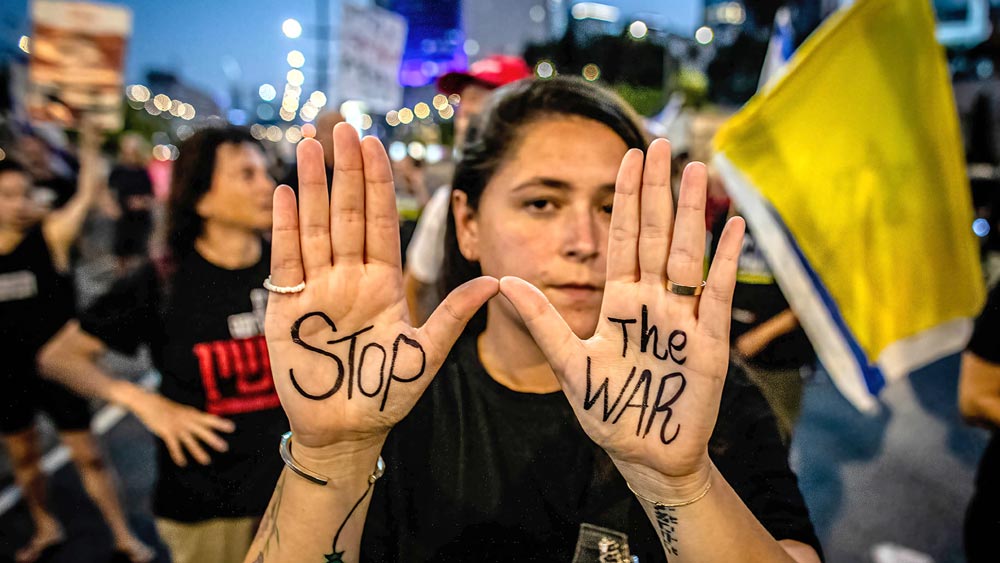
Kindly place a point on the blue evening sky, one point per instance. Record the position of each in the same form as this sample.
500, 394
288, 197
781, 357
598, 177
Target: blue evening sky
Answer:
202, 38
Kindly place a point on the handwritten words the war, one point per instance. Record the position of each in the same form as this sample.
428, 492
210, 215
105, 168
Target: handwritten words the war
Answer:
635, 393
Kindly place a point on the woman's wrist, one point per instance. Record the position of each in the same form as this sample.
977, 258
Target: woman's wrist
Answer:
651, 485
125, 394
347, 460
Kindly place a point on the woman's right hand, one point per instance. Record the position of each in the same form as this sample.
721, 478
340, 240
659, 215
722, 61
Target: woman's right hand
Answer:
182, 428
346, 362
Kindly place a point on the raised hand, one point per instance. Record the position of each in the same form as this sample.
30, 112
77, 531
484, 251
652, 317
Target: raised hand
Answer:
646, 387
346, 362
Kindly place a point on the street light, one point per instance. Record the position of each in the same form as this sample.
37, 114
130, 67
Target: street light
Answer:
296, 59
291, 28
704, 35
266, 92
638, 29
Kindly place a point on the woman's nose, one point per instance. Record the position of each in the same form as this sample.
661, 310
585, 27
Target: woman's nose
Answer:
580, 234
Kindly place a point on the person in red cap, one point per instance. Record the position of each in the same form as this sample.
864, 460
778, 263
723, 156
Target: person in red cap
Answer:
426, 250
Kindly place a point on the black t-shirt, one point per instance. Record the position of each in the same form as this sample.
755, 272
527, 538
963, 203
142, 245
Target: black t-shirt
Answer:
207, 340
756, 299
35, 301
478, 472
985, 343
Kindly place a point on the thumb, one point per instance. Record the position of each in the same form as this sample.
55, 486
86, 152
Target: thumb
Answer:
545, 324
448, 321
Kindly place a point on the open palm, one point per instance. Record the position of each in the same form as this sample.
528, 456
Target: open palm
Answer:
646, 387
347, 363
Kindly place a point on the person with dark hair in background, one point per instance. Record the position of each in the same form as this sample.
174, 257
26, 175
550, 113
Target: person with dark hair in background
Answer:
979, 403
134, 189
425, 252
201, 311
52, 188
36, 297
590, 412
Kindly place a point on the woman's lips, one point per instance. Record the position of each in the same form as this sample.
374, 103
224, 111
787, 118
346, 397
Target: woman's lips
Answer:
578, 292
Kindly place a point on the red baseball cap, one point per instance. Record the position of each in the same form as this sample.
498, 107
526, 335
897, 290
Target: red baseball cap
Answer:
492, 72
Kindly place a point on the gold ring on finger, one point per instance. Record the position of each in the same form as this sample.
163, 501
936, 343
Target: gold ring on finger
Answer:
687, 290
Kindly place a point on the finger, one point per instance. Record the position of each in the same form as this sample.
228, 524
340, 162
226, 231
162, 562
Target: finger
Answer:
622, 254
556, 340
686, 264
286, 257
715, 307
194, 448
210, 438
314, 207
448, 321
381, 217
218, 423
657, 213
176, 454
347, 214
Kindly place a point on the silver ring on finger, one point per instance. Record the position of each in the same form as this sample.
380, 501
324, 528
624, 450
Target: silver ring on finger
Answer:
686, 290
284, 289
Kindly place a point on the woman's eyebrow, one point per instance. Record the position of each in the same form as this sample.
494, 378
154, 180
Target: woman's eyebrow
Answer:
541, 181
545, 182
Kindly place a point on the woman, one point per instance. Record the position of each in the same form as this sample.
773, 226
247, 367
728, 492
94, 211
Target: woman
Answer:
489, 463
36, 298
201, 314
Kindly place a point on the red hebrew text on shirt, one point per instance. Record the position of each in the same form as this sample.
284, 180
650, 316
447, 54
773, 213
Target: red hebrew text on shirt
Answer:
236, 375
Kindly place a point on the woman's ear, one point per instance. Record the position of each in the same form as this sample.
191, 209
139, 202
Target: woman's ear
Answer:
466, 225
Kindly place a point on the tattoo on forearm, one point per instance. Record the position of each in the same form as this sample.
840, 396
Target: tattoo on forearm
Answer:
369, 383
670, 388
269, 523
338, 556
666, 525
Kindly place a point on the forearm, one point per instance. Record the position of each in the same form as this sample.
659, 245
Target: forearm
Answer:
717, 527
70, 358
755, 340
979, 390
63, 225
306, 522
986, 412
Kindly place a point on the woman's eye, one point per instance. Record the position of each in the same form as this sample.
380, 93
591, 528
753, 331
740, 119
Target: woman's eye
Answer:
606, 208
540, 205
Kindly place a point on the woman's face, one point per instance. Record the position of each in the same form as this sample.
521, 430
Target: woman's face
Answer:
544, 216
241, 190
15, 203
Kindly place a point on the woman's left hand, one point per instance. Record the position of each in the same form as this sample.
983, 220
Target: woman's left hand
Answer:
646, 387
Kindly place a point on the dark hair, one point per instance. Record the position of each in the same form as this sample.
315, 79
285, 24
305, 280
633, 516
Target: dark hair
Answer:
11, 165
493, 136
192, 178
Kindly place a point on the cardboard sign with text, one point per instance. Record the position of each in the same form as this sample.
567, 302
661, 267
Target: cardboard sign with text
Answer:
76, 62
372, 42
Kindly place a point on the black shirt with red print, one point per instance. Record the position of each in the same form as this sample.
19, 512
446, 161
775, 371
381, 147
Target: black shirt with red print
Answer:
206, 336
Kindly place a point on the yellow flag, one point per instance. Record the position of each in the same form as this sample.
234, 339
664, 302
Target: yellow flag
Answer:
850, 170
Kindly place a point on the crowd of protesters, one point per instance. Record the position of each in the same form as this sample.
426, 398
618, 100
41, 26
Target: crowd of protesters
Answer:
492, 462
